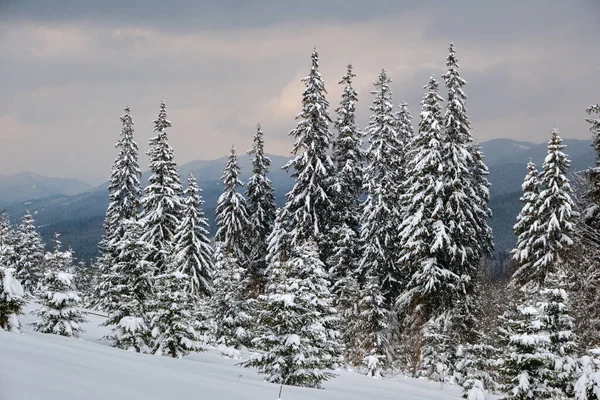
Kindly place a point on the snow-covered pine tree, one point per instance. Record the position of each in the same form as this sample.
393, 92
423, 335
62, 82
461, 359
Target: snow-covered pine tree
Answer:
348, 157
30, 254
60, 313
261, 211
11, 293
525, 369
129, 290
555, 313
162, 202
231, 310
310, 202
297, 322
482, 212
527, 228
232, 214
556, 213
193, 249
381, 209
464, 184
172, 313
592, 213
124, 194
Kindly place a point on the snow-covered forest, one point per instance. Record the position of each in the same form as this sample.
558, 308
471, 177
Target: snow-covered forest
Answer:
379, 261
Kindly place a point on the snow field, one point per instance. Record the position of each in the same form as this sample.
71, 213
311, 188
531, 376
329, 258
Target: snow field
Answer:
36, 366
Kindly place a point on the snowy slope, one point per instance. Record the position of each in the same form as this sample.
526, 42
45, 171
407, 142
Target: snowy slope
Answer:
37, 366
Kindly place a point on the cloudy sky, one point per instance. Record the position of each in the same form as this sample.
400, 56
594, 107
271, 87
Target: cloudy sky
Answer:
67, 69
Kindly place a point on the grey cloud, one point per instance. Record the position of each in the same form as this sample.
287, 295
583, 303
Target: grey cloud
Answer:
68, 70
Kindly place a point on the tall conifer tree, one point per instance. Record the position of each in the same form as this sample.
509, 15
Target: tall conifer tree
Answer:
162, 201
425, 235
527, 228
231, 309
556, 213
349, 158
465, 205
261, 210
130, 288
380, 210
592, 213
124, 194
193, 252
232, 213
30, 254
310, 202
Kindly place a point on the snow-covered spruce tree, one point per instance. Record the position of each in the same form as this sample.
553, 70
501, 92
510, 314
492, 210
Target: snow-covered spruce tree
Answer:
525, 370
372, 328
592, 213
296, 322
162, 201
261, 211
231, 310
405, 132
555, 313
424, 236
477, 358
86, 281
124, 194
585, 257
130, 276
11, 293
278, 242
232, 214
381, 209
348, 157
481, 187
587, 386
8, 240
172, 316
193, 249
476, 367
30, 254
310, 202
556, 213
527, 228
466, 211
437, 351
230, 307
60, 313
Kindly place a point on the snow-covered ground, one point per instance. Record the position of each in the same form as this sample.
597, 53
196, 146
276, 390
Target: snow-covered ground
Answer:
37, 366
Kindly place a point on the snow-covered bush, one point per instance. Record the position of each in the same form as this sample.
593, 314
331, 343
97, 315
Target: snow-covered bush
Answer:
11, 300
587, 386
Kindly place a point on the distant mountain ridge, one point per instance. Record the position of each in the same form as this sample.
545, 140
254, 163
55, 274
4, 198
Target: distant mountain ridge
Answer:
79, 216
27, 185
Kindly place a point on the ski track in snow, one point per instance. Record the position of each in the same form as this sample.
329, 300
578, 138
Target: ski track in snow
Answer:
36, 366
